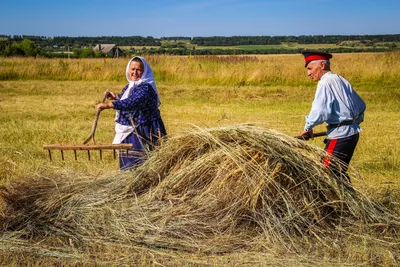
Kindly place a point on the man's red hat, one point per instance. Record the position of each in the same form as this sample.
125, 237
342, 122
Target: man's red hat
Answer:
315, 55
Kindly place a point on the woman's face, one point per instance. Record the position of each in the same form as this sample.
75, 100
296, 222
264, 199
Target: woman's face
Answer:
136, 70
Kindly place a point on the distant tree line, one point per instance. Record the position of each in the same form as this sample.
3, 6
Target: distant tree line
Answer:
27, 48
43, 41
24, 48
302, 39
238, 40
176, 38
81, 47
119, 40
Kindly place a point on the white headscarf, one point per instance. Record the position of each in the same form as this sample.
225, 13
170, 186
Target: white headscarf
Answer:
147, 77
122, 131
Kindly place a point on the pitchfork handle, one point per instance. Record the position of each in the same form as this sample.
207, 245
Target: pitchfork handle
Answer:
91, 137
307, 136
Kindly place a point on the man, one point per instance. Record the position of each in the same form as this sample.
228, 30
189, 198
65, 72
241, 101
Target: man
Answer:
336, 104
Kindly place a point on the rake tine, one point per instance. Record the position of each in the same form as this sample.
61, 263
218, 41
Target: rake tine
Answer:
116, 148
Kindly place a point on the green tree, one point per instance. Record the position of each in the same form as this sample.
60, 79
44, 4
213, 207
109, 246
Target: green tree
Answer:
77, 52
29, 48
99, 54
16, 50
5, 48
87, 52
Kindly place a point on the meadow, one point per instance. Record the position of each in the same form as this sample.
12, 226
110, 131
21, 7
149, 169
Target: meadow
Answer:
48, 101
289, 46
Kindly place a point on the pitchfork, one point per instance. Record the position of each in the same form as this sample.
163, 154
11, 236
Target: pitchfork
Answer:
309, 136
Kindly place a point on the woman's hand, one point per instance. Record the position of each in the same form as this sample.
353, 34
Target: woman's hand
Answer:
110, 95
101, 106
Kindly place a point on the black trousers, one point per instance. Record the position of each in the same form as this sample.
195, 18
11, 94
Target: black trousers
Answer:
342, 149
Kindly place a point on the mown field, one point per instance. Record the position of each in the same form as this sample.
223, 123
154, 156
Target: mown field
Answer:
47, 101
283, 46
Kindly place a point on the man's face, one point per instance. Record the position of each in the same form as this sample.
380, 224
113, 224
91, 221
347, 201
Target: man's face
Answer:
315, 69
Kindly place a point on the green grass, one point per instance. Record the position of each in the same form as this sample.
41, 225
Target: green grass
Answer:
283, 46
273, 91
35, 113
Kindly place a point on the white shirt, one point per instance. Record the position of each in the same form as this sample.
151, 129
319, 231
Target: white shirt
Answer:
335, 101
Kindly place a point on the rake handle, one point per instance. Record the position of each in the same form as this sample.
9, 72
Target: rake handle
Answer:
94, 127
308, 136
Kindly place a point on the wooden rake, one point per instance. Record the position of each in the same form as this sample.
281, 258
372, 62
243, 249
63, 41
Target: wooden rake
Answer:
86, 146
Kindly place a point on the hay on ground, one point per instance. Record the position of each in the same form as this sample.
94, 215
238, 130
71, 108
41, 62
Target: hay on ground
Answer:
211, 190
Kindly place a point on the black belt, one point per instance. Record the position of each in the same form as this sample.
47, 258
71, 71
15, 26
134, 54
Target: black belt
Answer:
331, 126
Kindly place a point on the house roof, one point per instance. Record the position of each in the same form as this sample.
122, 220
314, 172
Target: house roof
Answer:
105, 48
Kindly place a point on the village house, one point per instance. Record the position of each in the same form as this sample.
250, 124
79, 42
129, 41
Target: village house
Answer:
110, 50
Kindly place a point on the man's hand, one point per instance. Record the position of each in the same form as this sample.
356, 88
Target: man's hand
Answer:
307, 135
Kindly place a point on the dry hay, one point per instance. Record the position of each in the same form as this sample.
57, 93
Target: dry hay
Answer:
211, 190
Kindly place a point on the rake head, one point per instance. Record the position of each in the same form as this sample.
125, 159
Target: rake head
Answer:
88, 148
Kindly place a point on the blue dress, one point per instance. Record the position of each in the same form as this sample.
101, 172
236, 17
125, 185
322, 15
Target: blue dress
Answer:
141, 110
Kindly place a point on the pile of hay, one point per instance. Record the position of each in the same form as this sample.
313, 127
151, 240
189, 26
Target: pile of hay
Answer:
210, 190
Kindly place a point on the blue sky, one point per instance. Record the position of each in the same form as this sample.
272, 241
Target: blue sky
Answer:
167, 18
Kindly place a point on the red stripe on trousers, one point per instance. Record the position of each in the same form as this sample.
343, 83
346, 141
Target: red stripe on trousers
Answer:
329, 150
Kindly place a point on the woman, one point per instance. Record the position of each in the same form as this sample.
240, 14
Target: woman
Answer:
138, 120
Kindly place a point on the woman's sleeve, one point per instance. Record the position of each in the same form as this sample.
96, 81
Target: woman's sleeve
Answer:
138, 98
122, 92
